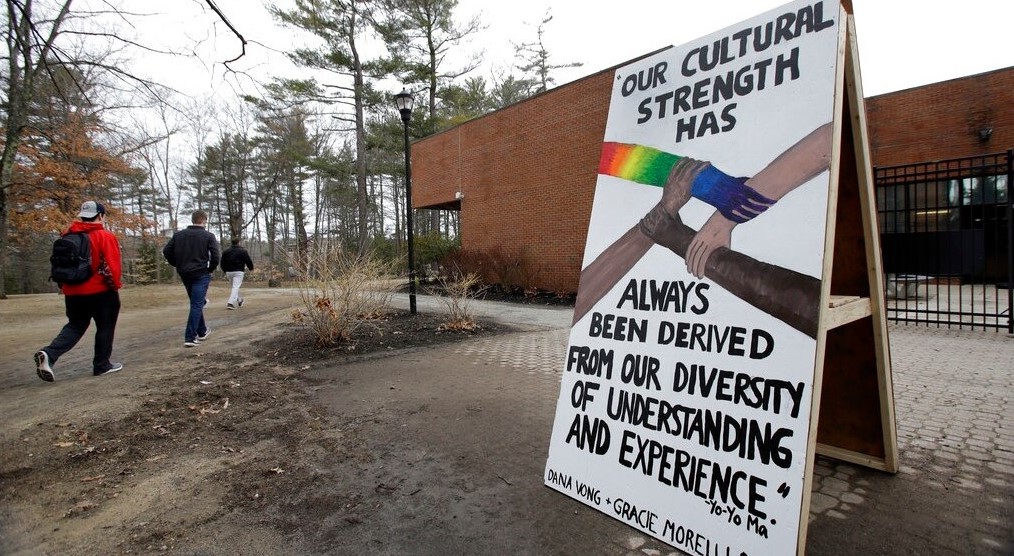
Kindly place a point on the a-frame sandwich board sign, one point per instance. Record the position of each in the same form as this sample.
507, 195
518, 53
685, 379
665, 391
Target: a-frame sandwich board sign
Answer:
729, 323
855, 421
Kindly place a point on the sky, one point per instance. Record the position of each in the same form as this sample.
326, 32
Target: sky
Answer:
902, 43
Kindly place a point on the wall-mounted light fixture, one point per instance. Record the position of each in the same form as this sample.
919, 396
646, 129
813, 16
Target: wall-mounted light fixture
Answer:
985, 133
459, 195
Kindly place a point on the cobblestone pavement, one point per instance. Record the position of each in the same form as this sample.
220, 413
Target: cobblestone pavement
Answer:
954, 398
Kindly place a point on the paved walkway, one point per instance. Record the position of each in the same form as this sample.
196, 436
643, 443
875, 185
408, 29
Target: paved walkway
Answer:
954, 394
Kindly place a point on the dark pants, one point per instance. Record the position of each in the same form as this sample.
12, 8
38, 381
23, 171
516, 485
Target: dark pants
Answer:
197, 291
103, 308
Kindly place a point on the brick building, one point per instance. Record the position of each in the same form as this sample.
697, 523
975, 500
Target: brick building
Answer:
968, 116
524, 177
941, 155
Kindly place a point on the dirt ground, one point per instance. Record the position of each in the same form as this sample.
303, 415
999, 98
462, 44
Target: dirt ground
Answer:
209, 450
257, 444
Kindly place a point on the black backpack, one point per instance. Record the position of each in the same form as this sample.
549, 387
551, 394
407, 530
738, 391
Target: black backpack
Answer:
71, 261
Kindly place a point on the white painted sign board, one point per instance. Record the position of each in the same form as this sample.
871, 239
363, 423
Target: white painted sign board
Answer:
685, 403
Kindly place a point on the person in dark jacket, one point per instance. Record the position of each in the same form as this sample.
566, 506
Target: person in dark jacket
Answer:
195, 253
97, 298
235, 260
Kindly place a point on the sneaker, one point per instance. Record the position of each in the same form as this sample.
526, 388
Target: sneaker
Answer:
42, 367
202, 337
112, 369
191, 343
241, 302
230, 306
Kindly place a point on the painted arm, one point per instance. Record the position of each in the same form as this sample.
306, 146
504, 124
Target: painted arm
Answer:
785, 294
806, 159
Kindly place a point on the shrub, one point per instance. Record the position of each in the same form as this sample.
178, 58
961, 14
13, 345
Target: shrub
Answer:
510, 268
457, 294
514, 269
383, 248
341, 292
149, 266
430, 249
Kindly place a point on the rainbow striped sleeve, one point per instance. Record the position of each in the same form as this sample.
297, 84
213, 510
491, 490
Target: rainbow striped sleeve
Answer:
636, 163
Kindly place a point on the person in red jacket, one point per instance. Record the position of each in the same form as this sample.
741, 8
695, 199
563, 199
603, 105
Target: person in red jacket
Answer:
96, 299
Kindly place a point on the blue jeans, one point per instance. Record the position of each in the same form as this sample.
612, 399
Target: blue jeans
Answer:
197, 291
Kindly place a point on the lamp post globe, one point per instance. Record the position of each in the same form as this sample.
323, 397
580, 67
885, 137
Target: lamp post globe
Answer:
404, 101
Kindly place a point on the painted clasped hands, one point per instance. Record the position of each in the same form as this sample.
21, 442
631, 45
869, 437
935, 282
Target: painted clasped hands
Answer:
734, 199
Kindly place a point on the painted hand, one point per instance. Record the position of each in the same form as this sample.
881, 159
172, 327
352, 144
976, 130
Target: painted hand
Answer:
659, 221
736, 200
715, 233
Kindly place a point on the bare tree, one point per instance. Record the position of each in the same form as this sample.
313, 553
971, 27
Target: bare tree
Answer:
30, 42
38, 36
535, 58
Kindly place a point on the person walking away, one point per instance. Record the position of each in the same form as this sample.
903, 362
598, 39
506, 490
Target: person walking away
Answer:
97, 298
235, 260
195, 253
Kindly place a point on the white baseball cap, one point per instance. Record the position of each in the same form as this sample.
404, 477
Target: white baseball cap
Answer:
91, 209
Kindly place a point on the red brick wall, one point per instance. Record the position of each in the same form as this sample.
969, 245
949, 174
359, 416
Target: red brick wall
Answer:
942, 120
528, 171
527, 174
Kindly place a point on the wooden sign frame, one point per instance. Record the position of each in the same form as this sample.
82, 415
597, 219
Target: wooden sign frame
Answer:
853, 412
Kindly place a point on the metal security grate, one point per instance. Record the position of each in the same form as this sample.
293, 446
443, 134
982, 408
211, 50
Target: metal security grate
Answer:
946, 238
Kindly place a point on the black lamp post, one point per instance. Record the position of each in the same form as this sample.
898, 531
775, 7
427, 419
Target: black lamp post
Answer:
404, 102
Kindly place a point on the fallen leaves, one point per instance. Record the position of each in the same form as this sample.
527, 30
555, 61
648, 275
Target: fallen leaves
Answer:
209, 408
80, 507
80, 438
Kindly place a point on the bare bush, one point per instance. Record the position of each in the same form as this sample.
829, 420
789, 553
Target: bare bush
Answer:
341, 292
510, 268
458, 293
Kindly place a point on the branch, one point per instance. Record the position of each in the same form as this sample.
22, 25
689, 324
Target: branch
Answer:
120, 39
141, 145
242, 41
